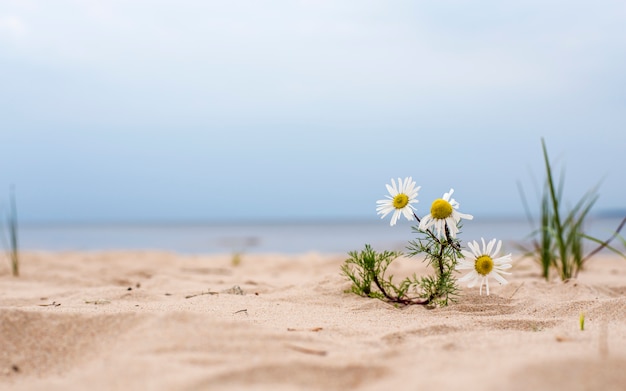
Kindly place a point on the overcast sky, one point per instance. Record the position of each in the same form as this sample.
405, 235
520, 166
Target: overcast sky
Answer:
215, 110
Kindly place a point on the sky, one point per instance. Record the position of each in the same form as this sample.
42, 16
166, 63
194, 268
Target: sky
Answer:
147, 110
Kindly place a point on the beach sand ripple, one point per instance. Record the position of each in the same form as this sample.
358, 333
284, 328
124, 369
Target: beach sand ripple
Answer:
162, 321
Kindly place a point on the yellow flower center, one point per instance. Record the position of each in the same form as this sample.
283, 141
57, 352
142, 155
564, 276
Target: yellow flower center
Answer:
483, 265
440, 209
400, 201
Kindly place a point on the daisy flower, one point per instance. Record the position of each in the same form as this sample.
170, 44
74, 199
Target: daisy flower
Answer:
483, 264
399, 200
443, 211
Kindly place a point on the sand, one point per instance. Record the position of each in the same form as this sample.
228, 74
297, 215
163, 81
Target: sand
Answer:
163, 321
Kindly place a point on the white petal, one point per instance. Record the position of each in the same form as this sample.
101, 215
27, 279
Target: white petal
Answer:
497, 250
499, 278
407, 212
503, 259
389, 200
466, 216
473, 245
425, 223
400, 185
453, 228
405, 184
489, 246
468, 276
394, 218
464, 266
384, 205
384, 209
411, 189
383, 214
439, 226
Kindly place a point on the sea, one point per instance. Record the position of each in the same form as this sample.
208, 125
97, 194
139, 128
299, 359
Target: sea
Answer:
290, 237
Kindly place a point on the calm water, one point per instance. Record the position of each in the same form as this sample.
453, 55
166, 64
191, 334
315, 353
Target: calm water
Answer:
326, 237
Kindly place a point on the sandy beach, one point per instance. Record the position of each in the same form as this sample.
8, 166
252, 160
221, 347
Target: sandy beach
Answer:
164, 321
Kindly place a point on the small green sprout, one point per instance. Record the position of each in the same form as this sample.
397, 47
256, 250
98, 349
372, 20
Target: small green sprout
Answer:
581, 321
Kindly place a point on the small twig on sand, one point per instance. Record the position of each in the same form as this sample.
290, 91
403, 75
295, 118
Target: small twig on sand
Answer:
516, 289
307, 350
244, 311
53, 304
314, 329
201, 293
96, 302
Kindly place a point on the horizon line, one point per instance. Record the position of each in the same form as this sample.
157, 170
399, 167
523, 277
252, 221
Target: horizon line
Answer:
607, 214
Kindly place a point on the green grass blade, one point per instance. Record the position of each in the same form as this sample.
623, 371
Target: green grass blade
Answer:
545, 254
603, 244
14, 249
556, 218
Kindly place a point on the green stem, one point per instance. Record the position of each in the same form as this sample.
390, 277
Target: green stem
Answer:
393, 299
